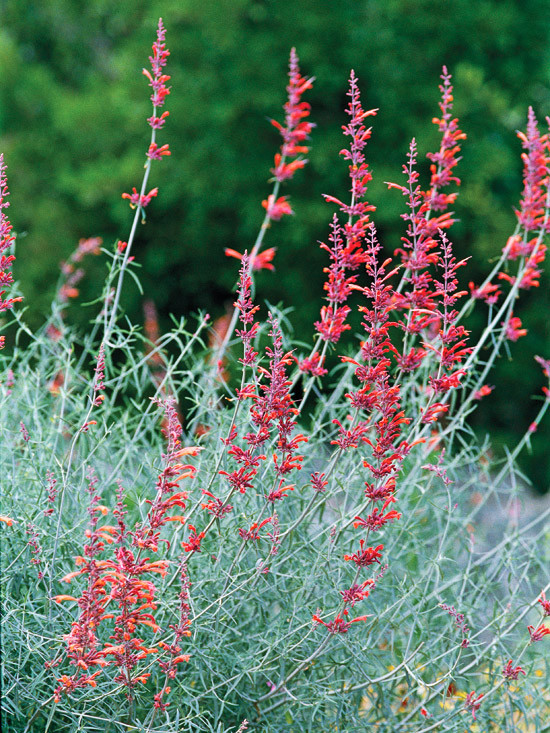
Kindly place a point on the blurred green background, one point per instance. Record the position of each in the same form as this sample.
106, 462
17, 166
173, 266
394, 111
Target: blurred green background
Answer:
73, 111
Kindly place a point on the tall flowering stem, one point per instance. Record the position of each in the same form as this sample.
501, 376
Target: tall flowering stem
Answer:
532, 214
533, 220
346, 241
139, 201
295, 132
6, 240
446, 159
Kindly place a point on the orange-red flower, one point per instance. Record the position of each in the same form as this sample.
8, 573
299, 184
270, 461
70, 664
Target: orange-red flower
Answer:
262, 261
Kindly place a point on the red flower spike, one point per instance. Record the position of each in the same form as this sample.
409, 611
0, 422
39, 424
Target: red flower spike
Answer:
445, 160
536, 169
157, 80
6, 240
345, 248
296, 128
147, 535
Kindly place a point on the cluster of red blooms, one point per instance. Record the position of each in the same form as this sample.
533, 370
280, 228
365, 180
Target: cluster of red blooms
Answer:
473, 702
121, 580
6, 240
379, 399
83, 645
141, 200
340, 624
416, 255
536, 160
247, 311
241, 478
445, 160
512, 673
357, 593
429, 304
157, 81
272, 407
338, 285
275, 405
147, 535
538, 633
514, 329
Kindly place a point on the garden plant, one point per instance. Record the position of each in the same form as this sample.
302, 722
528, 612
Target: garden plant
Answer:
233, 527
